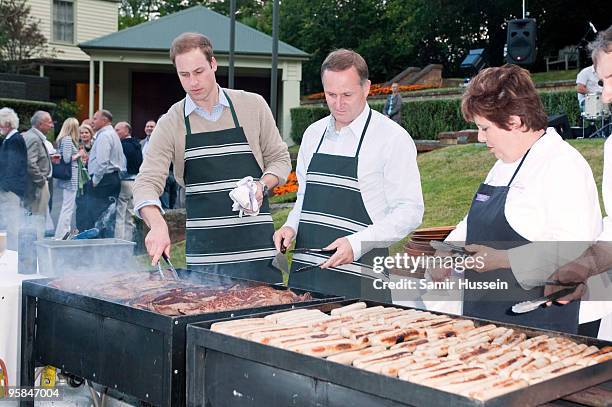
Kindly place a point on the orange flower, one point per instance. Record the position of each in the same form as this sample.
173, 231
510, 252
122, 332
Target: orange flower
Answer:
378, 89
290, 186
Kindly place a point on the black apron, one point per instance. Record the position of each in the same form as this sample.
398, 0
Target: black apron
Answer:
333, 208
487, 225
218, 239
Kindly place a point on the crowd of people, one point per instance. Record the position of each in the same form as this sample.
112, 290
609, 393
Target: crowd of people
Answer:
92, 164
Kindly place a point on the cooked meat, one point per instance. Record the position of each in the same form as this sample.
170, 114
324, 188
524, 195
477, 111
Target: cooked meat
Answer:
149, 292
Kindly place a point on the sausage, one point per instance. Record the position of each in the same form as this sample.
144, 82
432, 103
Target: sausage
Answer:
392, 337
495, 388
385, 356
347, 358
327, 348
347, 308
602, 355
283, 342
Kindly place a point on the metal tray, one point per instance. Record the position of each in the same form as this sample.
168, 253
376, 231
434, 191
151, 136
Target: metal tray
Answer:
56, 257
227, 371
134, 351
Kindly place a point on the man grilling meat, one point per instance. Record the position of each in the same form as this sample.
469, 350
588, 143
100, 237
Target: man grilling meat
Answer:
359, 188
216, 138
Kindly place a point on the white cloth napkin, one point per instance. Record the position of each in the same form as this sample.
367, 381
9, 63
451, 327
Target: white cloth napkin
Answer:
244, 198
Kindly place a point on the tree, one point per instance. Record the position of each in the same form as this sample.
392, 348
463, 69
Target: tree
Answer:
320, 26
254, 13
22, 40
134, 12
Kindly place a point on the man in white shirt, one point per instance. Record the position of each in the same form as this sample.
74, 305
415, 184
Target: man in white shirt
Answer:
148, 130
587, 82
359, 187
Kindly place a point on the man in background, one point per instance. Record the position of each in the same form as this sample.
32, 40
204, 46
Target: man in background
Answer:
587, 82
39, 164
13, 175
106, 161
148, 130
124, 223
393, 105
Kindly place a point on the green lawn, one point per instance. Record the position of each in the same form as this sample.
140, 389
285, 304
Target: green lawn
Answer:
449, 178
285, 198
569, 75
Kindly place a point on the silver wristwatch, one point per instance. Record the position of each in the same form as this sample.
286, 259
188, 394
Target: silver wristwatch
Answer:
264, 188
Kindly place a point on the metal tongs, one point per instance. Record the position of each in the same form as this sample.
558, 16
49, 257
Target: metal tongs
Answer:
385, 271
175, 275
306, 251
528, 306
449, 247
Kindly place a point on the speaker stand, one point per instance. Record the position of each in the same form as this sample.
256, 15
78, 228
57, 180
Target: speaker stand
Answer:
602, 131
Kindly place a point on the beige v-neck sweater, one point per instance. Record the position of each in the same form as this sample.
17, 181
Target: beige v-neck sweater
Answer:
167, 142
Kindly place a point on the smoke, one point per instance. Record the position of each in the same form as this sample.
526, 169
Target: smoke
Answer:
106, 222
13, 217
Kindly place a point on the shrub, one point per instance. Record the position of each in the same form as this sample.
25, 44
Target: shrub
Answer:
25, 109
302, 117
64, 110
425, 118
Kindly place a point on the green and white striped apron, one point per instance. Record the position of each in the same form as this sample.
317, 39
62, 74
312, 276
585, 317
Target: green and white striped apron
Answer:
218, 240
333, 208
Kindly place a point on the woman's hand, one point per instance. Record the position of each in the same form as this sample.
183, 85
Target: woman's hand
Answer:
440, 273
492, 259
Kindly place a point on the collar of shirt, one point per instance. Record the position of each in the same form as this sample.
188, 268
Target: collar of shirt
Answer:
10, 134
104, 129
355, 127
39, 133
215, 112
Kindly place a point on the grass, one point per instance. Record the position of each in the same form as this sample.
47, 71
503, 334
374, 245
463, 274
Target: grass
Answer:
569, 75
449, 178
293, 150
285, 198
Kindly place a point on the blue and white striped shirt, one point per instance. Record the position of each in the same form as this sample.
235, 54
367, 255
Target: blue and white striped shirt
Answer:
216, 111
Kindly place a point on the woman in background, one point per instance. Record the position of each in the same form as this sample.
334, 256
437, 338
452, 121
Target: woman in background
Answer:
67, 143
86, 134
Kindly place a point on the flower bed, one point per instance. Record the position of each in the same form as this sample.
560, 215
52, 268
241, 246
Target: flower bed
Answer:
290, 186
377, 90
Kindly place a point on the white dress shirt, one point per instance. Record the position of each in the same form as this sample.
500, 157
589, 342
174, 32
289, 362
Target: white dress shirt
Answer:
606, 191
553, 198
106, 155
388, 176
588, 77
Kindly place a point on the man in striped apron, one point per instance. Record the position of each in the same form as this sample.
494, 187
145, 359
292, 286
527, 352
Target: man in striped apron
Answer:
359, 190
214, 137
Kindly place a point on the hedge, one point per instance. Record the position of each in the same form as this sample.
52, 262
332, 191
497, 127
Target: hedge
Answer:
424, 119
25, 109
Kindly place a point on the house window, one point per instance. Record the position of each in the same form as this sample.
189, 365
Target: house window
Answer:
63, 21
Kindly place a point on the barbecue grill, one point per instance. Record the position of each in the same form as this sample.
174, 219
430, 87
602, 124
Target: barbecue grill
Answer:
225, 370
135, 351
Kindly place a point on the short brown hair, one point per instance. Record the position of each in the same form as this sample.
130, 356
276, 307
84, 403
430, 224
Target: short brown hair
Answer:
501, 92
603, 43
188, 41
343, 59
